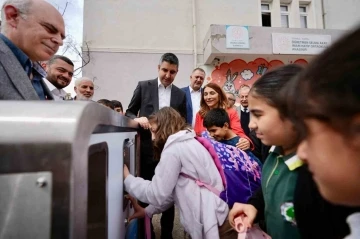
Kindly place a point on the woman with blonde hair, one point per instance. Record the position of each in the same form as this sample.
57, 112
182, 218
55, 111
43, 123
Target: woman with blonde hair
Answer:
214, 97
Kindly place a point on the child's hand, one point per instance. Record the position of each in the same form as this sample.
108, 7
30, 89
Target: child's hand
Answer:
248, 211
126, 171
139, 211
243, 144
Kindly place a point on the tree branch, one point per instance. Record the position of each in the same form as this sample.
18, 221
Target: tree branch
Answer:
66, 5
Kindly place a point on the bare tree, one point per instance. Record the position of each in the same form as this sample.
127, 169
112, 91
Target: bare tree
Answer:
72, 47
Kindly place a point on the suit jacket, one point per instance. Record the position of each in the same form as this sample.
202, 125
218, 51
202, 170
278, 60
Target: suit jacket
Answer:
145, 101
189, 106
14, 82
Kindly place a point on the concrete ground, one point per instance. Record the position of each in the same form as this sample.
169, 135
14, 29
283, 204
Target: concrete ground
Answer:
178, 232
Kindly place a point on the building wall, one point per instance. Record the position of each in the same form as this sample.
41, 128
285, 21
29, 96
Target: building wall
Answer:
341, 14
126, 38
116, 74
160, 25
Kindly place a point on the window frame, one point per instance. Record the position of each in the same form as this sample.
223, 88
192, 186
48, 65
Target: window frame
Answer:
304, 15
285, 13
266, 12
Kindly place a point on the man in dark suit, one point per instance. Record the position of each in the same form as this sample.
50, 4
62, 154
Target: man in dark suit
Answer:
193, 94
242, 110
31, 31
150, 96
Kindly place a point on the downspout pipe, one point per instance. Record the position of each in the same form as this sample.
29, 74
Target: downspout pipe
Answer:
323, 9
194, 32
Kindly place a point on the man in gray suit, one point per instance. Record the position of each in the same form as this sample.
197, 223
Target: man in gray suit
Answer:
31, 31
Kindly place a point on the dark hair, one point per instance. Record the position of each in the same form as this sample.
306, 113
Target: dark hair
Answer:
199, 69
63, 58
268, 87
117, 104
329, 89
216, 117
168, 122
170, 58
223, 102
106, 102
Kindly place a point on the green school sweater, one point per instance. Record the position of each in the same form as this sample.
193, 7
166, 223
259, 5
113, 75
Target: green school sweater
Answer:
278, 184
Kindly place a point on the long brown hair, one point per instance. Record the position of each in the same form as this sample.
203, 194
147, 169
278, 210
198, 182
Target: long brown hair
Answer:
168, 122
223, 102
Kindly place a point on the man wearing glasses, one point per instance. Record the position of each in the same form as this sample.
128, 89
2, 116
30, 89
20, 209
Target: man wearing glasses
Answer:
243, 108
32, 31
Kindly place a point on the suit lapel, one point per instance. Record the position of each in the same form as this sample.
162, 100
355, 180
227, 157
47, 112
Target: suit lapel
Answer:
155, 94
48, 94
16, 73
188, 98
174, 97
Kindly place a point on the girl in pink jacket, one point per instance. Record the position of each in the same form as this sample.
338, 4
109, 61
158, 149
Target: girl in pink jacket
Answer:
202, 213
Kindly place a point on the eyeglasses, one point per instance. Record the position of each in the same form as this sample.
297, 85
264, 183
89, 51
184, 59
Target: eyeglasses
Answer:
230, 99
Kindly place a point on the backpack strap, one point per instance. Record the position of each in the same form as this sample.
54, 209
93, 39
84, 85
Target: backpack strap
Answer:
147, 227
209, 147
202, 184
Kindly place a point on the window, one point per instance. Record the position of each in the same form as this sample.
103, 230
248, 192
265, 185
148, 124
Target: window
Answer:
303, 17
266, 15
284, 9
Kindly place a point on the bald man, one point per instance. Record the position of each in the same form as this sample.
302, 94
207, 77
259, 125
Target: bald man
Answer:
31, 31
84, 89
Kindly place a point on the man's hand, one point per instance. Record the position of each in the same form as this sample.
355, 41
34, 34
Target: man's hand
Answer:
143, 121
139, 212
248, 211
243, 144
126, 171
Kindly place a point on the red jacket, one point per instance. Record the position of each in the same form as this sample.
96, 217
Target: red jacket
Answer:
234, 124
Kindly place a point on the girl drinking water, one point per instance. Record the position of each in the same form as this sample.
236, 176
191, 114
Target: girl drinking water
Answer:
288, 201
202, 213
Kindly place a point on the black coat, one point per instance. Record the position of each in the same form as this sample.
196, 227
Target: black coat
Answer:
145, 101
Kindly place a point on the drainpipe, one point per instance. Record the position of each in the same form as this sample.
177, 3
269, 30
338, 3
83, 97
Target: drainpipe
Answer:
194, 32
323, 13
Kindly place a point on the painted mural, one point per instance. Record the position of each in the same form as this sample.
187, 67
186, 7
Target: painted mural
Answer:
231, 76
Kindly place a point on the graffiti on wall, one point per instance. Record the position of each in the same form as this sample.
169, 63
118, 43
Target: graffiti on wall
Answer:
231, 76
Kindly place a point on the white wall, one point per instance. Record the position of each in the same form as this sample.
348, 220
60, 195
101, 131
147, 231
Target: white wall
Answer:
127, 37
341, 14
160, 25
117, 74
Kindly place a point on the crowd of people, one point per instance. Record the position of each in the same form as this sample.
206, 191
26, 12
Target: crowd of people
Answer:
299, 124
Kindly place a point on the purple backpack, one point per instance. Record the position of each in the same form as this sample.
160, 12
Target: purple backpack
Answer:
241, 174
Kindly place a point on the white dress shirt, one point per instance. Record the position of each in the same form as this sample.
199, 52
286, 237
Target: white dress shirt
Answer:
58, 94
243, 109
195, 101
164, 95
354, 223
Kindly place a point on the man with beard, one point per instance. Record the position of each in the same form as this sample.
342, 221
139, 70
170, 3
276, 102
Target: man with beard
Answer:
59, 72
84, 89
193, 95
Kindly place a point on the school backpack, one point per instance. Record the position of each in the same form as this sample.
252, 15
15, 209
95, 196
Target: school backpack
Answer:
241, 174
